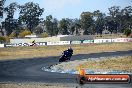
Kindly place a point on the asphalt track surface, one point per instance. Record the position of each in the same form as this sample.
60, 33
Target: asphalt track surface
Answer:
30, 70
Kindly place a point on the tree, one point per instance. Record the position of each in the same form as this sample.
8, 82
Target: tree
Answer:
63, 26
55, 26
70, 25
29, 15
113, 23
38, 30
1, 14
127, 17
77, 26
99, 21
51, 25
1, 7
120, 20
74, 26
86, 22
10, 24
113, 11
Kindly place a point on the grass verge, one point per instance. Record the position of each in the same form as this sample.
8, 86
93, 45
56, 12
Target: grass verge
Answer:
43, 51
34, 85
123, 63
119, 63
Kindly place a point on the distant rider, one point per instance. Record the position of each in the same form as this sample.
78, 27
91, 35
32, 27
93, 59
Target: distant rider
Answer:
33, 43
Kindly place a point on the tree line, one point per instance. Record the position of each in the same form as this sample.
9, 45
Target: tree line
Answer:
30, 21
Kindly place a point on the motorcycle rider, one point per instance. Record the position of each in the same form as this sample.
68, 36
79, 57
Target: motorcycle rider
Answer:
68, 53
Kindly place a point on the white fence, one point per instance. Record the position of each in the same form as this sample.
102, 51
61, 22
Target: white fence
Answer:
88, 41
123, 40
113, 40
59, 43
102, 40
75, 42
26, 44
72, 42
2, 45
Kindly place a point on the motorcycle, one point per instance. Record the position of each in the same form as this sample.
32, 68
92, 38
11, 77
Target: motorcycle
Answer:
65, 57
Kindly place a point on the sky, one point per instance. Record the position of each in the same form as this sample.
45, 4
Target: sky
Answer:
73, 8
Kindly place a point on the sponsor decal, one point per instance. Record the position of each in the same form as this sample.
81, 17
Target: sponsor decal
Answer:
102, 78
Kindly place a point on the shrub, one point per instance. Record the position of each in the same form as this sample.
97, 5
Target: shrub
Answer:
2, 39
24, 33
127, 32
12, 35
43, 35
7, 39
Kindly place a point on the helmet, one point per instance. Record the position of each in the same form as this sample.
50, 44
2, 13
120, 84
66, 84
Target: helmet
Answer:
70, 49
